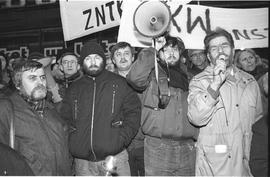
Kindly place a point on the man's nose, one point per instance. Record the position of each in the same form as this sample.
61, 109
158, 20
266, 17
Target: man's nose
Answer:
69, 64
249, 60
92, 61
122, 56
220, 49
41, 81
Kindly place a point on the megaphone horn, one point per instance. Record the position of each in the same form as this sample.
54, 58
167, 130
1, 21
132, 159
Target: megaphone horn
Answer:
152, 18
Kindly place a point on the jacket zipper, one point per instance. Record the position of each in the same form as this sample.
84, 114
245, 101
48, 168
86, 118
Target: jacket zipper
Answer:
113, 98
93, 115
75, 109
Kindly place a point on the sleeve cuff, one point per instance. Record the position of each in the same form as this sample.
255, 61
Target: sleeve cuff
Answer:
212, 92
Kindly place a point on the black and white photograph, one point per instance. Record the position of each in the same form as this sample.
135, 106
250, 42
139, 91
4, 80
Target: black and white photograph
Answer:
134, 88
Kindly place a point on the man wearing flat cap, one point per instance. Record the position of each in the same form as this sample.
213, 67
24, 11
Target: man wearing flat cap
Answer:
104, 113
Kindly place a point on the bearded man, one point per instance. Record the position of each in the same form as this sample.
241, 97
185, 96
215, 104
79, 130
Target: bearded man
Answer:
32, 125
105, 113
169, 137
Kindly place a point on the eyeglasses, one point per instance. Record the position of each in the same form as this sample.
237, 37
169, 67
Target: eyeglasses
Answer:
197, 55
65, 63
215, 49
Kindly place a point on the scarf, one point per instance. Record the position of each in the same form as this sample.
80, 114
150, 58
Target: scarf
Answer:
37, 106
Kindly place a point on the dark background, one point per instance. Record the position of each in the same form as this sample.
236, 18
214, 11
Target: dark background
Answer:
38, 26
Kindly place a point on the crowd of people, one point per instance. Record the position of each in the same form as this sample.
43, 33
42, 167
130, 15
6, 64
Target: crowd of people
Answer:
164, 111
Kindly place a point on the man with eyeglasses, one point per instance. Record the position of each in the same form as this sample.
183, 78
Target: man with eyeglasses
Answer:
68, 64
224, 102
169, 137
197, 62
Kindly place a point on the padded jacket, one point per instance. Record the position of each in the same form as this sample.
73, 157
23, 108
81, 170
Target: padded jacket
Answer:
104, 113
42, 140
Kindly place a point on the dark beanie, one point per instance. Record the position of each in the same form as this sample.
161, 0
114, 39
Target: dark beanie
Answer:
92, 48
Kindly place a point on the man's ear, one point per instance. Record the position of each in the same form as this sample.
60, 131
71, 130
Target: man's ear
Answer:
132, 59
113, 61
78, 67
61, 68
208, 57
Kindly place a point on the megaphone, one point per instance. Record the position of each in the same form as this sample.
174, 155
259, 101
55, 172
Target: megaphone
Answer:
152, 18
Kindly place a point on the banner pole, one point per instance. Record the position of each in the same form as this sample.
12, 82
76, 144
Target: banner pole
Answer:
65, 44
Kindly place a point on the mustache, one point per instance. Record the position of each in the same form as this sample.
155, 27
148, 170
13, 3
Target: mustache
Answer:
172, 57
40, 87
94, 66
123, 60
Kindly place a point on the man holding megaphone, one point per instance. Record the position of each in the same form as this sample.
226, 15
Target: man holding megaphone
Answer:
169, 137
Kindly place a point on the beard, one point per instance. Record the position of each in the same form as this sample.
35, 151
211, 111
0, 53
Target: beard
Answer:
93, 70
38, 93
172, 61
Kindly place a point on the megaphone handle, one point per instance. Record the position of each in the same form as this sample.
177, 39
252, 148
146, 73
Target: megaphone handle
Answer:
156, 63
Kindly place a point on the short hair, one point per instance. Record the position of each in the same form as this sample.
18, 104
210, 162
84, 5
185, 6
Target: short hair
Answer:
121, 45
239, 52
190, 51
67, 53
21, 66
174, 41
217, 33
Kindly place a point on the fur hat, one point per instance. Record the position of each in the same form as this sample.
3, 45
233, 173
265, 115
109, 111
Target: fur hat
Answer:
92, 48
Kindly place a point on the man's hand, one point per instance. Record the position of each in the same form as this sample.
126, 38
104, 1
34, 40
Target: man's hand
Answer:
160, 42
219, 74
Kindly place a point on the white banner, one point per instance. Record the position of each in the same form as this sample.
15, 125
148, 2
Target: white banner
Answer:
249, 27
80, 18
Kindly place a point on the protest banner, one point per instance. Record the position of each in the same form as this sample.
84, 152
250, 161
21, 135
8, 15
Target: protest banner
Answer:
80, 18
249, 27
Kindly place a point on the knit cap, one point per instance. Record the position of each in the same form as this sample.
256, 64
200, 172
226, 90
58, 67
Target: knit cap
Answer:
92, 48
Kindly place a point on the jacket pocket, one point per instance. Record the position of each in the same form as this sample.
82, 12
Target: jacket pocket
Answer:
32, 159
217, 162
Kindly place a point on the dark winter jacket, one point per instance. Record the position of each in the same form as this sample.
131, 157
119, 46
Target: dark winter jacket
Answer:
42, 140
105, 113
259, 150
66, 82
13, 163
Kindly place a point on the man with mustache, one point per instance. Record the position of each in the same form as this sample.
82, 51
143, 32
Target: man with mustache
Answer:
224, 102
122, 55
169, 137
40, 134
105, 113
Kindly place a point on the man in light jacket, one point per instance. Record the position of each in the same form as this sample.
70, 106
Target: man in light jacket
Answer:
225, 102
